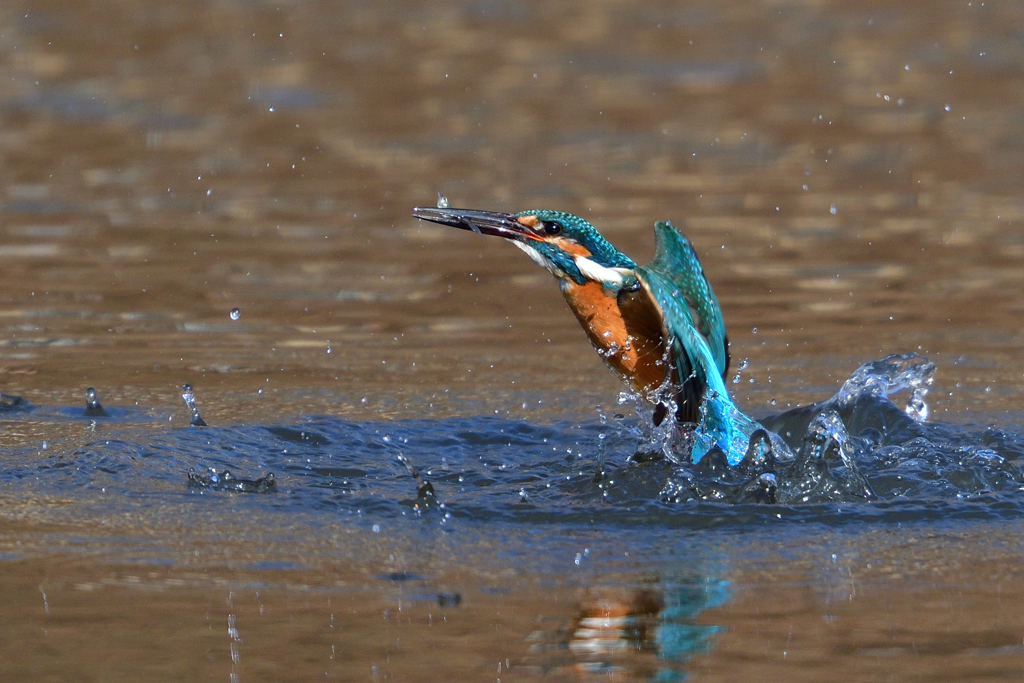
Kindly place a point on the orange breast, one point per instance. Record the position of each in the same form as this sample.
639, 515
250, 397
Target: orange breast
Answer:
625, 329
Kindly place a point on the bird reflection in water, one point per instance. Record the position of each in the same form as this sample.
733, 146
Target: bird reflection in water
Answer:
647, 632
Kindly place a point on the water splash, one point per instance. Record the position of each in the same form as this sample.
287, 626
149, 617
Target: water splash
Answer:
611, 350
722, 427
92, 404
888, 376
807, 455
863, 456
425, 497
9, 402
656, 436
739, 370
719, 415
189, 397
225, 481
825, 468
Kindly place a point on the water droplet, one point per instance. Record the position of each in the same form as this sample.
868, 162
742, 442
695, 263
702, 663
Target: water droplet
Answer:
442, 201
376, 528
235, 313
92, 404
888, 376
753, 330
832, 210
188, 395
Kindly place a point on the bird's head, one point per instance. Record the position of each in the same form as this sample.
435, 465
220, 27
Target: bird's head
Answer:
566, 245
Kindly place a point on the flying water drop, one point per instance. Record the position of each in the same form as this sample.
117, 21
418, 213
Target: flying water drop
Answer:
888, 376
743, 366
235, 313
425, 496
189, 397
92, 404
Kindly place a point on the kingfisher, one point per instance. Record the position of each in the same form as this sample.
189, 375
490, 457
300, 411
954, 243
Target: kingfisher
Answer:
659, 326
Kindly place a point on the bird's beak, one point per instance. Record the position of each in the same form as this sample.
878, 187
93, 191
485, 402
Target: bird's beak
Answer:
484, 222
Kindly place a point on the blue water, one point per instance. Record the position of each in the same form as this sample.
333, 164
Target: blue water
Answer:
434, 510
485, 469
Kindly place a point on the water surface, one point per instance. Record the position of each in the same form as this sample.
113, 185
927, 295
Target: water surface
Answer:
850, 174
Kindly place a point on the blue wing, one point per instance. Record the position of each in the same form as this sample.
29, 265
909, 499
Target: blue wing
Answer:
676, 260
675, 284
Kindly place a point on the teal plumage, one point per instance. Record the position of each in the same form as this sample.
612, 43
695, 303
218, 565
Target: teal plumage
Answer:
675, 259
637, 317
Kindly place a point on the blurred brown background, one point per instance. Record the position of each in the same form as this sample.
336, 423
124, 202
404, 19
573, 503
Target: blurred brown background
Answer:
850, 172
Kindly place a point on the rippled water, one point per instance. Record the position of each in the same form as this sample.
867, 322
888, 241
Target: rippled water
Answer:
218, 194
462, 518
882, 463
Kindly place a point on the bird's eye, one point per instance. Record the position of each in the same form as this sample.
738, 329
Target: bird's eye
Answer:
552, 228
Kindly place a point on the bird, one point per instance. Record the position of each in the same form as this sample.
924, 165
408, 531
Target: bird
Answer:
659, 326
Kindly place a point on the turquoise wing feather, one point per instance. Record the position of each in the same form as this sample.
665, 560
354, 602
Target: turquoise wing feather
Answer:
691, 367
675, 258
675, 283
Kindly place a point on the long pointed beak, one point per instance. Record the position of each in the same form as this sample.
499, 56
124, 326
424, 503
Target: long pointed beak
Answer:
483, 222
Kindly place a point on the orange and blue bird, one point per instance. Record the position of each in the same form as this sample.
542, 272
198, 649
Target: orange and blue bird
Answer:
659, 326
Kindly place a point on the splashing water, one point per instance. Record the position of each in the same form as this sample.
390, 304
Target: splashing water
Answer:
739, 371
722, 428
225, 481
189, 397
888, 376
12, 403
858, 452
842, 449
92, 404
425, 498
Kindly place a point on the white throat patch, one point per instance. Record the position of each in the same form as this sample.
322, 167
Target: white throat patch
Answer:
595, 271
539, 259
592, 270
